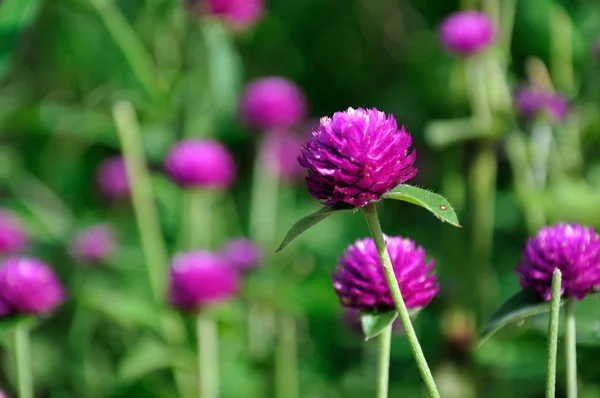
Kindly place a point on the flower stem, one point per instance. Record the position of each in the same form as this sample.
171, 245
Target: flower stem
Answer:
571, 349
208, 355
553, 334
199, 213
23, 361
286, 365
383, 362
372, 219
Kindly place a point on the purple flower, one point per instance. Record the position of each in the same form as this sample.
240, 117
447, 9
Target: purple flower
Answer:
4, 310
360, 284
466, 32
12, 234
272, 103
112, 178
199, 278
200, 163
239, 13
242, 253
531, 101
573, 249
280, 154
29, 286
3, 395
356, 156
93, 244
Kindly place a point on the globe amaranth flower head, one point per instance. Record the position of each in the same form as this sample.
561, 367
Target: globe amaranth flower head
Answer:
200, 278
531, 101
573, 249
272, 103
93, 244
356, 156
12, 234
29, 286
466, 32
200, 163
112, 178
238, 13
241, 253
360, 284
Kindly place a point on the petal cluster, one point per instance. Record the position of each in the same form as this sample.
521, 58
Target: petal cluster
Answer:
200, 163
573, 249
466, 32
272, 103
356, 156
29, 286
112, 178
531, 101
241, 253
12, 234
360, 284
199, 278
93, 244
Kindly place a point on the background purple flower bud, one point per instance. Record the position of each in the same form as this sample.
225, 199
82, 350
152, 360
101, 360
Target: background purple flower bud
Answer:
4, 310
241, 253
356, 156
531, 101
360, 284
239, 13
12, 234
29, 285
93, 244
272, 103
466, 32
112, 178
200, 163
280, 153
199, 278
573, 249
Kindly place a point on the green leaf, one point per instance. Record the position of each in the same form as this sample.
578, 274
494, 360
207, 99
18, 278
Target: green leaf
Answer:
437, 204
308, 221
525, 304
374, 323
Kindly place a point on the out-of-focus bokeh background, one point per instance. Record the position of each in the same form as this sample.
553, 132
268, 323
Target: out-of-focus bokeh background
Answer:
65, 63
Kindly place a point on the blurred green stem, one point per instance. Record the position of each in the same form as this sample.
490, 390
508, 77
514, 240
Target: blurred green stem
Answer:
286, 359
508, 10
372, 219
541, 140
571, 349
553, 334
208, 355
383, 362
198, 215
23, 361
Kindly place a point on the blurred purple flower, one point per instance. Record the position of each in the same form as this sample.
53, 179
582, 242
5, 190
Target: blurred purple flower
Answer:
241, 253
12, 234
239, 13
199, 278
200, 163
112, 178
272, 103
531, 101
573, 249
280, 154
4, 310
93, 244
466, 32
360, 284
356, 156
3, 395
29, 286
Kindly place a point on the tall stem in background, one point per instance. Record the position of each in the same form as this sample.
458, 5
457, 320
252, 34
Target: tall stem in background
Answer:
372, 219
541, 140
383, 362
286, 359
571, 349
208, 355
553, 334
23, 361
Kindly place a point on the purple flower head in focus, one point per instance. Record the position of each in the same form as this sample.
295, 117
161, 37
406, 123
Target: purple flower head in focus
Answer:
531, 101
238, 13
356, 156
200, 278
200, 163
573, 249
360, 284
272, 103
241, 253
93, 244
12, 234
112, 178
29, 286
466, 32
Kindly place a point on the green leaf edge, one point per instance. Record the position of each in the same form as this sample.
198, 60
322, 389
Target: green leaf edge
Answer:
388, 317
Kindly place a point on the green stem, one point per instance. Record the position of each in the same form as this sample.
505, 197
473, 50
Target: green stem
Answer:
383, 362
208, 355
286, 365
23, 361
199, 213
553, 334
571, 349
372, 219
